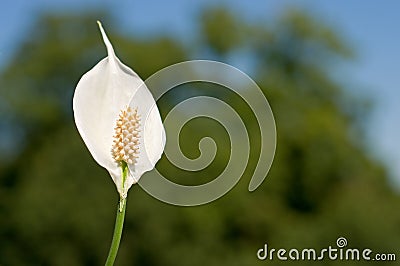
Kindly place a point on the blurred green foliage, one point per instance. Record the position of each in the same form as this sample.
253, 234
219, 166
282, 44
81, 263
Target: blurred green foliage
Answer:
57, 205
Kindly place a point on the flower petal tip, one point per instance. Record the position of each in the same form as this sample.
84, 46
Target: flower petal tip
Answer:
110, 49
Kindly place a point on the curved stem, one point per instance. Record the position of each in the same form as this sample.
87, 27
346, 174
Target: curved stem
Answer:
119, 223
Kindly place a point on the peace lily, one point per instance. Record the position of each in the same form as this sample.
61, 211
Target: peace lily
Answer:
120, 124
118, 119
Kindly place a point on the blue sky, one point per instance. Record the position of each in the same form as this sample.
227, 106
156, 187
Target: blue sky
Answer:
370, 26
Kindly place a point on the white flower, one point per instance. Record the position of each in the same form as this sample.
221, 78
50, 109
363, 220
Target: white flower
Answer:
118, 119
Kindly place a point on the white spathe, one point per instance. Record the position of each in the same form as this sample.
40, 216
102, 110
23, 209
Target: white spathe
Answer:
100, 95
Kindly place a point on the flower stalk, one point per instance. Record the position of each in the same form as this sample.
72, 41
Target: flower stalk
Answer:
119, 222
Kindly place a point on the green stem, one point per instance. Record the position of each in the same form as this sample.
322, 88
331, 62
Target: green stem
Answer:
119, 222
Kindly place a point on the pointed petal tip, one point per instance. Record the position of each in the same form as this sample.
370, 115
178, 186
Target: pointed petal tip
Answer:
100, 27
103, 33
110, 49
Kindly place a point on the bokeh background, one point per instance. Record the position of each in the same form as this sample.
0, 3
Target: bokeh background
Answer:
329, 70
